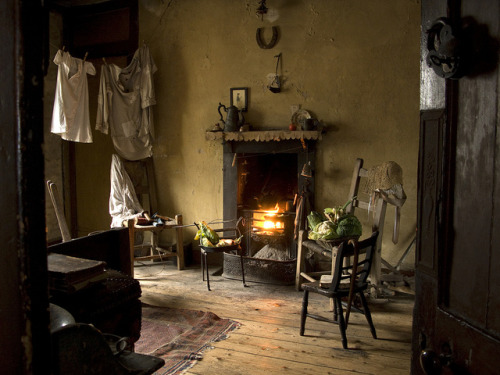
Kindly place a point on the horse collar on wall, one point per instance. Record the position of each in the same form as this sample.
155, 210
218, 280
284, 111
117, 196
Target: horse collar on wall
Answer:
273, 41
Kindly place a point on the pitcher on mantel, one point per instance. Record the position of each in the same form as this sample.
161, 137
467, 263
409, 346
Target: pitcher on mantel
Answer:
233, 121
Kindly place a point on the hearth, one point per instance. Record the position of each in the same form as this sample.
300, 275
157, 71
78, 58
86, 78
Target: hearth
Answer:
262, 180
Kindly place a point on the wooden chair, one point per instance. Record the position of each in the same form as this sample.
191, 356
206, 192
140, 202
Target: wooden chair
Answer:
228, 232
378, 207
348, 280
141, 173
376, 210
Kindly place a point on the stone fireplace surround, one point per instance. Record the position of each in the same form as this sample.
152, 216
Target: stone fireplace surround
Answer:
301, 144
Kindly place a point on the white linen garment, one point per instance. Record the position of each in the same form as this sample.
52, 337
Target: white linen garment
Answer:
123, 202
70, 115
124, 105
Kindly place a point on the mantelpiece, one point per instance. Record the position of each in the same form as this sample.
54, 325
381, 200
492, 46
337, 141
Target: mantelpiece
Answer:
264, 136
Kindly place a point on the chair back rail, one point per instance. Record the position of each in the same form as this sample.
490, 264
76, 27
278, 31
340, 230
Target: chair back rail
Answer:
343, 270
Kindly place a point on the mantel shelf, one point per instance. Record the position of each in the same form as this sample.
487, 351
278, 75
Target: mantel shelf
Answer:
264, 136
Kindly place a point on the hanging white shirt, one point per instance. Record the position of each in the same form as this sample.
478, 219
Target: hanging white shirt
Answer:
70, 115
123, 202
124, 105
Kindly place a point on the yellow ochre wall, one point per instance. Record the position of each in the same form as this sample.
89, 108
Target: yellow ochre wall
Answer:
354, 65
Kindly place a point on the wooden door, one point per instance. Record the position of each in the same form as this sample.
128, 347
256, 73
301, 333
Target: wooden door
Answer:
24, 301
456, 316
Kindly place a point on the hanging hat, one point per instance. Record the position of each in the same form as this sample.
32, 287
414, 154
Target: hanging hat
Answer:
384, 177
386, 181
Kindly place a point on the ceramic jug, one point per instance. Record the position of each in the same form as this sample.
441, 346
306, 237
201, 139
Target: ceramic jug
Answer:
233, 121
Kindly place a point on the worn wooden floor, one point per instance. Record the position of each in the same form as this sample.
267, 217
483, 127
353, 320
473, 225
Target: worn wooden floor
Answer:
268, 342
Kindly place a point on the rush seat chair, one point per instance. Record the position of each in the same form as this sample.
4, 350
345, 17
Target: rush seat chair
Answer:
348, 280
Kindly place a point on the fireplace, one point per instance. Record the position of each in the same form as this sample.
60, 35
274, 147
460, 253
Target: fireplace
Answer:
267, 184
261, 182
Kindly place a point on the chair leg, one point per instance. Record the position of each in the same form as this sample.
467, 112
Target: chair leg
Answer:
204, 265
335, 312
341, 321
368, 315
208, 277
242, 268
202, 253
303, 314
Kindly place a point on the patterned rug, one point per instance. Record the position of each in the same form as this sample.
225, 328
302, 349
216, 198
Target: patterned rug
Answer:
180, 336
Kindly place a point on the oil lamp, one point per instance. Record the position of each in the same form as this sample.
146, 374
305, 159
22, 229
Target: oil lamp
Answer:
262, 9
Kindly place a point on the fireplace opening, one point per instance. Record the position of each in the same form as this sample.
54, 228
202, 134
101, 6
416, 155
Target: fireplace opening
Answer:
262, 181
267, 186
266, 181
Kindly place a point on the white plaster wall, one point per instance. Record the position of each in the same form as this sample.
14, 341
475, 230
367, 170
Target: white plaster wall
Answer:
353, 64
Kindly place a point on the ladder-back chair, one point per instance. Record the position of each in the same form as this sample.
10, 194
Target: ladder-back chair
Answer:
375, 209
378, 207
348, 281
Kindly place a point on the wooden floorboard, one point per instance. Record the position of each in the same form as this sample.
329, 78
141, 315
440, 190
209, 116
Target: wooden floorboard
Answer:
268, 341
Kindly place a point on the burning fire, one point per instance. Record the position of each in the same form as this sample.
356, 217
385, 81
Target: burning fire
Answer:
269, 219
269, 224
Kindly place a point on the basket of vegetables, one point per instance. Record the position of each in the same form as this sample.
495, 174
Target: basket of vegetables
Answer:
209, 238
333, 226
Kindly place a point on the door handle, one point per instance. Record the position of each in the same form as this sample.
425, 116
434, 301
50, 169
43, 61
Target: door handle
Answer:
440, 364
431, 362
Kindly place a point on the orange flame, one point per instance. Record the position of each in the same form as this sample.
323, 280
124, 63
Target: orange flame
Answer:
268, 224
272, 222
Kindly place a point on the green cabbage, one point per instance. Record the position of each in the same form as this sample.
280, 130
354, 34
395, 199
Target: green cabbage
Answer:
349, 226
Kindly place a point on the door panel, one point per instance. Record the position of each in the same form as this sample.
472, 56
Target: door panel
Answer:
431, 136
457, 283
475, 185
473, 210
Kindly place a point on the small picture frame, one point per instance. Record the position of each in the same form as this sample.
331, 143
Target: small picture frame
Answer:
239, 98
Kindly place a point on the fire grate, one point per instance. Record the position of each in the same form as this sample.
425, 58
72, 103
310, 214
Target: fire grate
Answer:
267, 271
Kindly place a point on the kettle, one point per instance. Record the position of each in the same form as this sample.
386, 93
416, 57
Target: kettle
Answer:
233, 121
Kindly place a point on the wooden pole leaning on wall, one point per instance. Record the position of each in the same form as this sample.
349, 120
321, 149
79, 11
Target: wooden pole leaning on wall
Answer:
180, 243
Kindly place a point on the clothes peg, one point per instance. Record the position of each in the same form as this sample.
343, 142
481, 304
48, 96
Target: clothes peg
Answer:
85, 57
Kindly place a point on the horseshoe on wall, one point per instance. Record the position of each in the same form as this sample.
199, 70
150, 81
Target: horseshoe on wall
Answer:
273, 41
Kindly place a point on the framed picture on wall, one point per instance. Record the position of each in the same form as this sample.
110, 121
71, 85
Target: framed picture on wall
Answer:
239, 98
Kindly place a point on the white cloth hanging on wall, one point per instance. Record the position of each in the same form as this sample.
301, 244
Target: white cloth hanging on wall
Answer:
70, 115
124, 105
123, 202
